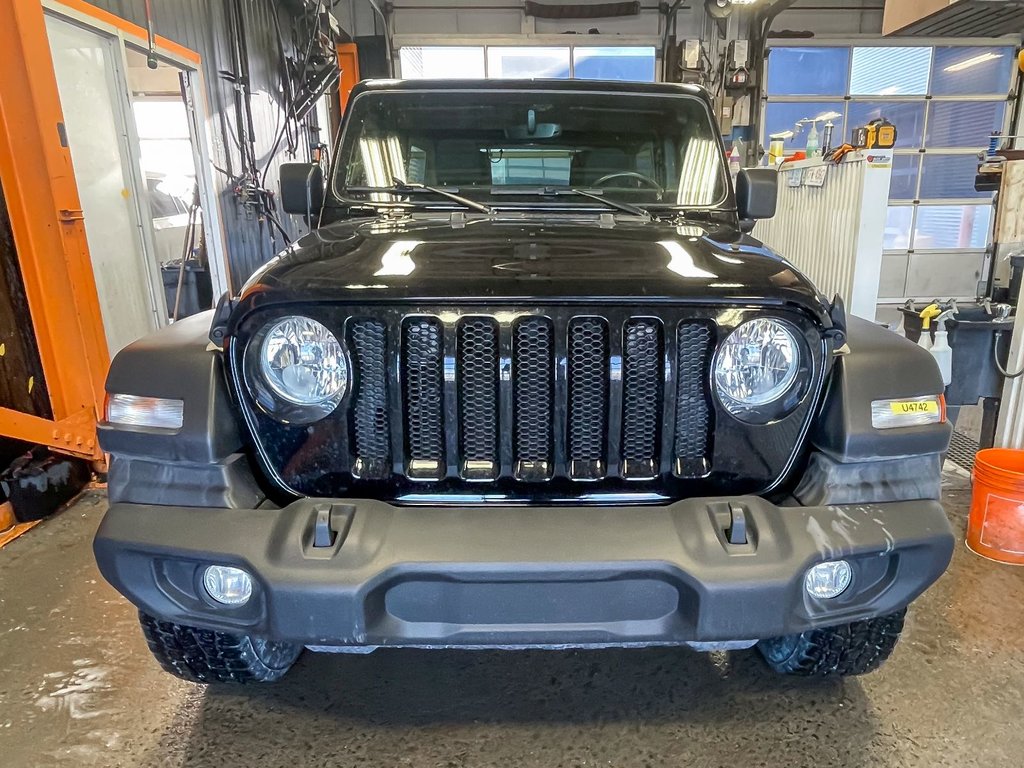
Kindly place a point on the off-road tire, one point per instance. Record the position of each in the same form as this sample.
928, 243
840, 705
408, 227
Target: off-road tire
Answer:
849, 649
206, 656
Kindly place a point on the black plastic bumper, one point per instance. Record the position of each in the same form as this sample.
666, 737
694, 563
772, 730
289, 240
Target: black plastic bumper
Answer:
524, 576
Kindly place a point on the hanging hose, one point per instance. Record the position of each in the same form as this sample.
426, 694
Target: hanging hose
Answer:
999, 366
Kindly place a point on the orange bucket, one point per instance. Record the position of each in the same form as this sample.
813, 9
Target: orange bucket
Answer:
995, 528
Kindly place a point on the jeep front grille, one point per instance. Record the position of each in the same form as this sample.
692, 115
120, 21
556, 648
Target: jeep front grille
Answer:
531, 398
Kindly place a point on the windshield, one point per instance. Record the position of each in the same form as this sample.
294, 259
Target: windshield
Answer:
512, 147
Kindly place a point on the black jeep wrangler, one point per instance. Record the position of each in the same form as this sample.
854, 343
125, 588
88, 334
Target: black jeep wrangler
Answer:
527, 384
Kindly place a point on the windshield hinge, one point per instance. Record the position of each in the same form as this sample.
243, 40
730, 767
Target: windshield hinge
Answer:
458, 220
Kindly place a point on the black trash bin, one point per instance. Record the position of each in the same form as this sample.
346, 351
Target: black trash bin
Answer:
972, 336
196, 288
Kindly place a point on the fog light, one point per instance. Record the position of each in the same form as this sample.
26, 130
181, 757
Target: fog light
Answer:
827, 580
228, 585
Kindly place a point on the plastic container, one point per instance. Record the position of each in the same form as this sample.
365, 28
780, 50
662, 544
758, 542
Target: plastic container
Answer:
995, 527
812, 141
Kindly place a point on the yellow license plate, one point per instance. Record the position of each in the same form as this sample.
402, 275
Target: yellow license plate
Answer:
914, 406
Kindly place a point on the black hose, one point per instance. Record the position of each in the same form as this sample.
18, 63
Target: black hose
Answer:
999, 366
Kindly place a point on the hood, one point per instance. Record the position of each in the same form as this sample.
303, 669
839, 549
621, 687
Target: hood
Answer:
431, 258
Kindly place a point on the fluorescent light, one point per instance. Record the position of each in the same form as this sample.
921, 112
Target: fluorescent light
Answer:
698, 178
396, 260
828, 116
974, 61
681, 262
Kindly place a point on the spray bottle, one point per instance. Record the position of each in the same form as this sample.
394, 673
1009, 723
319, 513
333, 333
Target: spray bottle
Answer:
941, 350
901, 326
929, 312
812, 140
734, 163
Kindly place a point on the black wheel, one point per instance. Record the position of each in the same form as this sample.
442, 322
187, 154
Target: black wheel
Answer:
849, 649
205, 656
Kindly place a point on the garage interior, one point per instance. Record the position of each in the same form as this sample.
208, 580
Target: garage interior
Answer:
141, 148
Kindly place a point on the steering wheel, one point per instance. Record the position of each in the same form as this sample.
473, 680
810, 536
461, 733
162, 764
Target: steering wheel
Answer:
630, 175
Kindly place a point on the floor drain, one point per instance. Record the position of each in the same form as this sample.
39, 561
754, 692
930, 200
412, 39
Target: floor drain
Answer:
962, 450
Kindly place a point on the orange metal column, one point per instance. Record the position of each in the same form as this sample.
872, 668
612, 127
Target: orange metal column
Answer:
348, 63
49, 235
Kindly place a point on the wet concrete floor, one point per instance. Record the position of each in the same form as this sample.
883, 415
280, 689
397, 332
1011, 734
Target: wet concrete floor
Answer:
79, 688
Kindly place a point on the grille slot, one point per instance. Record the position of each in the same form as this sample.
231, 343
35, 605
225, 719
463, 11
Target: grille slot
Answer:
532, 385
693, 428
559, 396
642, 397
370, 423
477, 375
422, 387
588, 397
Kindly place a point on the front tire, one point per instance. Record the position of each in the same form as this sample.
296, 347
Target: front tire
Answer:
206, 656
848, 649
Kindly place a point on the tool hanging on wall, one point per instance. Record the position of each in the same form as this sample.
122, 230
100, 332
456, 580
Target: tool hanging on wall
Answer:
151, 60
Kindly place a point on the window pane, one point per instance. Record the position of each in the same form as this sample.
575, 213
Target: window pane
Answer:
160, 119
949, 176
531, 167
952, 226
964, 123
905, 170
808, 71
898, 221
614, 64
890, 71
528, 61
781, 116
907, 116
972, 70
441, 61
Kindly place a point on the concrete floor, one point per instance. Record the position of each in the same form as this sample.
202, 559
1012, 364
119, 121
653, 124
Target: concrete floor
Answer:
78, 687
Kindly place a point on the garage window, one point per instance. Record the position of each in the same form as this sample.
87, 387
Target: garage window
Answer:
585, 62
945, 102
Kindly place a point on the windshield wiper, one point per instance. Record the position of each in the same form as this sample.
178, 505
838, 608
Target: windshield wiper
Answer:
407, 187
636, 210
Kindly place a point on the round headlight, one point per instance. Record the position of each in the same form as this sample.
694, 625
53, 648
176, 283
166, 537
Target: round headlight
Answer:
757, 365
300, 371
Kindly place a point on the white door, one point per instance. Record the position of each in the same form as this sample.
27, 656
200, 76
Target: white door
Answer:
86, 65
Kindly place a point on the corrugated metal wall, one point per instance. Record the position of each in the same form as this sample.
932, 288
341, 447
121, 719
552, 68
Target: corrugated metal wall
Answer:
202, 25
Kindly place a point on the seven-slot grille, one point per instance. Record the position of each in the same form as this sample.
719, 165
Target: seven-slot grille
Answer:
583, 397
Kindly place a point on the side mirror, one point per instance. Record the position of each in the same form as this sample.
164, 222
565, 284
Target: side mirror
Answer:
757, 193
302, 188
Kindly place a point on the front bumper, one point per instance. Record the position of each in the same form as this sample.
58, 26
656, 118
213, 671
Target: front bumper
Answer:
523, 576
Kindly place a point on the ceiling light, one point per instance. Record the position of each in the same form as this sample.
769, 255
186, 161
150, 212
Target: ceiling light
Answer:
972, 62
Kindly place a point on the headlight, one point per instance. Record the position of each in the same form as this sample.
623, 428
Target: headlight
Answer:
757, 365
297, 370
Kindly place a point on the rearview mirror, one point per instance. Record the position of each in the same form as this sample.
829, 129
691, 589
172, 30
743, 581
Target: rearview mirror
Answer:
302, 188
757, 193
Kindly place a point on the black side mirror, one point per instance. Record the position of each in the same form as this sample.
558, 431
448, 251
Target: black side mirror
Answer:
302, 189
757, 193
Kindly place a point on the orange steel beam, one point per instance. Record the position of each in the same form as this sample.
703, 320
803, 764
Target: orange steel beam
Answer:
49, 236
348, 63
134, 30
75, 435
